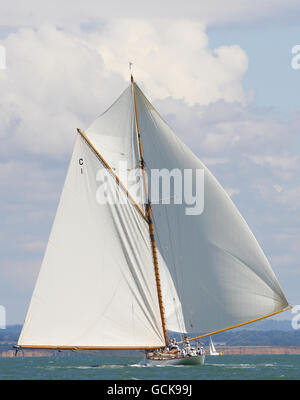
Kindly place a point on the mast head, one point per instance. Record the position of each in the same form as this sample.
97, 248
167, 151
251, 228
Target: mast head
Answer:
130, 69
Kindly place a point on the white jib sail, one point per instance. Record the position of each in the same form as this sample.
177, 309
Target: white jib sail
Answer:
96, 287
219, 271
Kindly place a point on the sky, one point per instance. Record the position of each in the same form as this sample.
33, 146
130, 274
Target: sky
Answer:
221, 75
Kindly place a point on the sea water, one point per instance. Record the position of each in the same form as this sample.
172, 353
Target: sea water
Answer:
81, 367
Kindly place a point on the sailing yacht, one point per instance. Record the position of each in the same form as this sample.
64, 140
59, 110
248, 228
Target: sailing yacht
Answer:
124, 274
212, 349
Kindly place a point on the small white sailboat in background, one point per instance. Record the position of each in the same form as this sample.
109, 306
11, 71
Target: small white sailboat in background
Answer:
121, 276
212, 349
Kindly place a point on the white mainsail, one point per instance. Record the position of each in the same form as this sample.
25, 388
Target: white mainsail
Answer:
97, 287
212, 349
219, 270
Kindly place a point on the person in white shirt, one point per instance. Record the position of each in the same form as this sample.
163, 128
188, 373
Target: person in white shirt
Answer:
186, 345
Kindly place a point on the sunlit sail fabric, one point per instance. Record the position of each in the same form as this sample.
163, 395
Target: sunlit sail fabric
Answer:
220, 273
171, 302
114, 135
96, 286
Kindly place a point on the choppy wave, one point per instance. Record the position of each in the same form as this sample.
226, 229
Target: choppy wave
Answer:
109, 367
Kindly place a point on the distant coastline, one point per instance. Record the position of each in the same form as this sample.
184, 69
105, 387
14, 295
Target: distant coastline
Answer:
259, 350
226, 350
264, 337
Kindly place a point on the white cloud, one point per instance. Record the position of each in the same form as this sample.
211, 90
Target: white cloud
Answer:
244, 134
224, 130
30, 182
289, 197
278, 188
283, 165
72, 13
173, 58
211, 161
56, 81
53, 84
19, 275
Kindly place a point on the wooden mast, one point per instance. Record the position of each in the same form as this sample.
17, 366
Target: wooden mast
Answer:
149, 216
